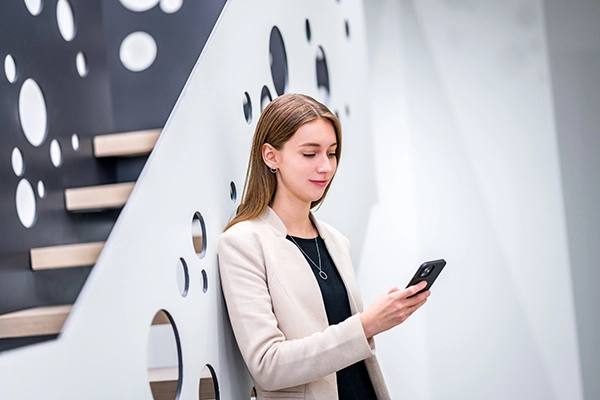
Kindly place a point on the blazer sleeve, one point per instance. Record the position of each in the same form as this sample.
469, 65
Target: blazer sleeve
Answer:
274, 361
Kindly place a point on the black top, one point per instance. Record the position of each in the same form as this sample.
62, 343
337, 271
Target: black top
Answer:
353, 382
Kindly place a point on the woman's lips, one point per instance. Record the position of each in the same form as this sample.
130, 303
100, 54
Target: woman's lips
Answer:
320, 183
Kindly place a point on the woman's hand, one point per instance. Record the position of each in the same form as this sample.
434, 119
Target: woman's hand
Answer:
392, 309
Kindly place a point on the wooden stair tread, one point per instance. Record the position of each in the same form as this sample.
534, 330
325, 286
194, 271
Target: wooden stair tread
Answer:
65, 256
126, 144
98, 197
46, 320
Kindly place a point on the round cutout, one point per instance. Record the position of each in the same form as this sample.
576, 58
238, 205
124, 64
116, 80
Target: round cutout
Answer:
32, 112
81, 64
170, 6
138, 51
139, 5
199, 235
265, 97
232, 191
322, 74
55, 153
26, 204
165, 368
10, 68
17, 162
65, 20
34, 6
209, 385
75, 141
247, 108
278, 57
41, 188
204, 281
183, 277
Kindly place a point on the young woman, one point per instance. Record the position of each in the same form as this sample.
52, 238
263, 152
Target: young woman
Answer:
288, 280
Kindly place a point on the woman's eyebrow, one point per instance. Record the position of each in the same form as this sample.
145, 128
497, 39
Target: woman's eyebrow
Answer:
310, 144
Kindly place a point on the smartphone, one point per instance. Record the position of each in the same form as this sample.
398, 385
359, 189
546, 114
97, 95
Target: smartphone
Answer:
428, 271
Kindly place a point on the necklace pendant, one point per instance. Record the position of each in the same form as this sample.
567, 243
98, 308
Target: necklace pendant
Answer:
323, 275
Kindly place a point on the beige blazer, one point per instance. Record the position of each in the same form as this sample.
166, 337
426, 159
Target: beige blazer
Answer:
278, 317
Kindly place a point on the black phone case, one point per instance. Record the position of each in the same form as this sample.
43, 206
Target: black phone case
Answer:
436, 268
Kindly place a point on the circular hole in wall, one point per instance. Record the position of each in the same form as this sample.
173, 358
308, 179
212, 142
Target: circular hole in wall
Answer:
322, 75
209, 385
138, 51
247, 108
34, 6
164, 357
81, 64
75, 141
265, 97
26, 204
183, 277
307, 29
232, 191
65, 20
41, 188
139, 5
278, 57
199, 235
55, 153
17, 162
32, 112
170, 6
10, 68
204, 281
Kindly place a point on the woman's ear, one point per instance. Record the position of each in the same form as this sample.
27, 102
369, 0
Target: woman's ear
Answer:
269, 156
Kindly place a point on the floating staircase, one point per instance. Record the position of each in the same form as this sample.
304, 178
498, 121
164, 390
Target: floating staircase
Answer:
49, 320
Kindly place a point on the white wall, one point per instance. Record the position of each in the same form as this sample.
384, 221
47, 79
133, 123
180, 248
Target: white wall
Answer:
468, 170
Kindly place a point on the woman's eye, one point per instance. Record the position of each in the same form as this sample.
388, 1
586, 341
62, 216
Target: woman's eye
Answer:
309, 155
331, 155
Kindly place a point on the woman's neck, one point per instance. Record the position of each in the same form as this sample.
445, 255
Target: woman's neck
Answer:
295, 217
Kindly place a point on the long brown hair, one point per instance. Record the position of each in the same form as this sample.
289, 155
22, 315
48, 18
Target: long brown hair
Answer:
278, 122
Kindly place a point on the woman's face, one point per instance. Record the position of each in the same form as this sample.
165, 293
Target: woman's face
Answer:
306, 162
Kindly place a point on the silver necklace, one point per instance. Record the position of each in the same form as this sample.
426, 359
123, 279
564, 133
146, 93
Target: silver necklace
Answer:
322, 273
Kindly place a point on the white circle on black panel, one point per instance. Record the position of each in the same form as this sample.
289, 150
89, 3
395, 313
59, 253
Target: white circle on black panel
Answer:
138, 51
81, 64
55, 153
75, 141
278, 58
41, 188
17, 162
10, 69
139, 5
32, 112
26, 205
65, 20
170, 6
34, 6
